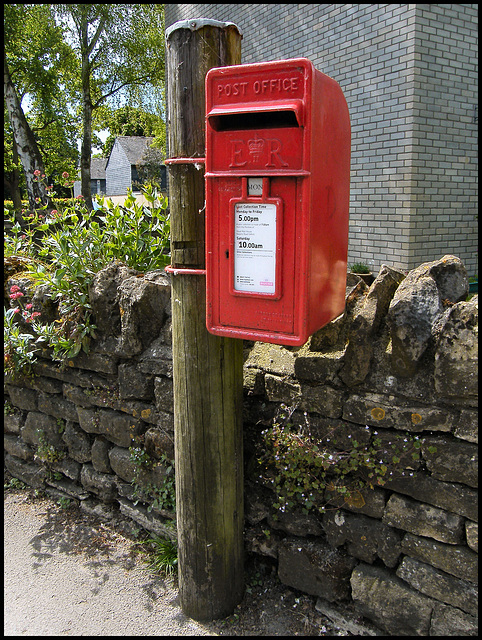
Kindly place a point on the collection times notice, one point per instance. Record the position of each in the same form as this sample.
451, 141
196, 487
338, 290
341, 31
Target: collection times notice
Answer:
255, 247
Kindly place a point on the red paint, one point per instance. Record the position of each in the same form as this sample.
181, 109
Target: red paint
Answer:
275, 260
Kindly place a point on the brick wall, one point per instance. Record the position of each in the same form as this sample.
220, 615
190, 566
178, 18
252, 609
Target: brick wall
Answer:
408, 73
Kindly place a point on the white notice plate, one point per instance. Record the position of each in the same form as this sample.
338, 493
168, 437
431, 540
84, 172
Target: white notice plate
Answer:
255, 247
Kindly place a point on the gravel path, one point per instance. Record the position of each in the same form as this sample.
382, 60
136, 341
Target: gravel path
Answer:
63, 577
66, 573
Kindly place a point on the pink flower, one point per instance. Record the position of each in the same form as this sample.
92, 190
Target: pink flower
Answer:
15, 292
28, 306
36, 172
17, 310
65, 175
54, 212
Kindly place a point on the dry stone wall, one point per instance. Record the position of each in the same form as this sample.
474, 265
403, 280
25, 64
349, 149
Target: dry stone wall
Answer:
401, 359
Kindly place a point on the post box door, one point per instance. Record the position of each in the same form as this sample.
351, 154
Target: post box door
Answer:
255, 254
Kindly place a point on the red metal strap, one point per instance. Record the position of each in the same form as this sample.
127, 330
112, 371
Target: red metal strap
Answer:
182, 271
169, 161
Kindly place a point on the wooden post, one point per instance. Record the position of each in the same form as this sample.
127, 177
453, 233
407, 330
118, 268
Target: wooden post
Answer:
207, 370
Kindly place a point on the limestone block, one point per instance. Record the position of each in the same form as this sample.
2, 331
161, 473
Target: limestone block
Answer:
315, 567
158, 442
56, 406
451, 496
472, 533
366, 323
439, 585
13, 422
164, 394
271, 358
456, 357
424, 520
457, 560
149, 520
118, 427
133, 384
417, 304
366, 538
389, 602
144, 305
103, 296
15, 446
467, 428
100, 455
281, 390
322, 399
22, 398
449, 621
297, 523
121, 463
451, 460
37, 423
29, 472
386, 411
77, 441
102, 484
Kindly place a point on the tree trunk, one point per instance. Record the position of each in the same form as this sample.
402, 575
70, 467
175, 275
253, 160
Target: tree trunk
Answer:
207, 369
86, 146
26, 144
15, 185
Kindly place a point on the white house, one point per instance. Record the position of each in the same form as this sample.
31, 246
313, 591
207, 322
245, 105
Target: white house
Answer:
112, 176
121, 172
97, 178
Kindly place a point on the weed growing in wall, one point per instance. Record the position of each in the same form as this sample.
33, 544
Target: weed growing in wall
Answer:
315, 474
160, 496
47, 453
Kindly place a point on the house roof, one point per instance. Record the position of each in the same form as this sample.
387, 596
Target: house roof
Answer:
97, 168
134, 146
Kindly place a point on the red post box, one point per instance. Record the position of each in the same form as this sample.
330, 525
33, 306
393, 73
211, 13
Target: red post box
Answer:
277, 199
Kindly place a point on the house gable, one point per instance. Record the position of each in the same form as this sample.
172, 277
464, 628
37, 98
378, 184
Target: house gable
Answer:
118, 171
127, 152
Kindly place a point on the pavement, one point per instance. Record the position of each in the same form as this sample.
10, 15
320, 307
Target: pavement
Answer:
68, 575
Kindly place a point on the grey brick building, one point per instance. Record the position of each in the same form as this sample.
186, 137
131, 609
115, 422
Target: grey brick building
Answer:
409, 74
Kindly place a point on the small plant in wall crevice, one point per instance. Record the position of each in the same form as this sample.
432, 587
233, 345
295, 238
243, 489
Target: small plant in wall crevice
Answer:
317, 475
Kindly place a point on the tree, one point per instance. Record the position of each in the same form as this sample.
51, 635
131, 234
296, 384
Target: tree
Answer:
149, 169
121, 54
132, 121
38, 66
25, 143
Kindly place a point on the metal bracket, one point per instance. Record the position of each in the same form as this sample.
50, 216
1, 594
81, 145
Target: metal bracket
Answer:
194, 161
181, 271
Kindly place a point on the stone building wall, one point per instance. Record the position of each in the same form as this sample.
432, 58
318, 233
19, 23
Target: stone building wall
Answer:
400, 362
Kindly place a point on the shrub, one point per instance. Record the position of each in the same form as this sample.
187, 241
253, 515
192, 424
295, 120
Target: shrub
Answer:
67, 247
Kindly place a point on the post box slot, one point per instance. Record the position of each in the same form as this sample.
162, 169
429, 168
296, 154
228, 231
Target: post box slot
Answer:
254, 120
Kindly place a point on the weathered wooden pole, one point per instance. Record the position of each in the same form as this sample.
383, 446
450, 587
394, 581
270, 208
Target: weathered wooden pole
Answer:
207, 370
